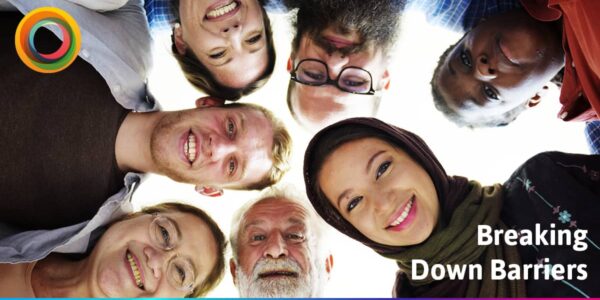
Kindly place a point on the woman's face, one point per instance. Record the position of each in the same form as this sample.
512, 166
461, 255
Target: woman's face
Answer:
129, 259
227, 36
381, 191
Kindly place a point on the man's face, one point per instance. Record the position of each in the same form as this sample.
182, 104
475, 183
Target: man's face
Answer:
325, 104
274, 256
499, 65
223, 147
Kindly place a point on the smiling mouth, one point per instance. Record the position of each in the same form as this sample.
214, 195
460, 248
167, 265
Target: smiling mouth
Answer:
135, 270
190, 148
400, 219
277, 273
222, 10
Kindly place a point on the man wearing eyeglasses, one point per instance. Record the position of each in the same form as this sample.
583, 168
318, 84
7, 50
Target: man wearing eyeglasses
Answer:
338, 64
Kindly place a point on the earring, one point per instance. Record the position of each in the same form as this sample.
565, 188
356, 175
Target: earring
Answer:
177, 25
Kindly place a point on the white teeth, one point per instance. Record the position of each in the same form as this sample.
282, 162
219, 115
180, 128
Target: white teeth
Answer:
404, 213
217, 12
190, 148
135, 270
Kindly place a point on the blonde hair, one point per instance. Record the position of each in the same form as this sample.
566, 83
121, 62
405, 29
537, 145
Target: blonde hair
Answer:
281, 151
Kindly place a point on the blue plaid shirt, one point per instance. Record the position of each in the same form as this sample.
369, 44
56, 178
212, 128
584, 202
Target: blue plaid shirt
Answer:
159, 14
460, 15
592, 133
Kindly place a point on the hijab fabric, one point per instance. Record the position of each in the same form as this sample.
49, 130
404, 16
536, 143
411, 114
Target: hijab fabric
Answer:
463, 206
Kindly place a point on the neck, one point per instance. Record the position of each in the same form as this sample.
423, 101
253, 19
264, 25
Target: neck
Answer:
57, 276
132, 147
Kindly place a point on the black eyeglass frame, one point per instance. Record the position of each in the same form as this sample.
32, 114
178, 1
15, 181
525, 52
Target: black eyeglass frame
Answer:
330, 81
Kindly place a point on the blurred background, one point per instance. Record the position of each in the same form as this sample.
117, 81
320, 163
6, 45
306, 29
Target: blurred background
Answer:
488, 155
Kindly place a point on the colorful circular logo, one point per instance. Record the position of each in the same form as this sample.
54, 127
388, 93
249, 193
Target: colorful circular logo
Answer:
48, 62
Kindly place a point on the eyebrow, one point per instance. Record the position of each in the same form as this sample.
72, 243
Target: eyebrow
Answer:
253, 223
373, 159
176, 226
180, 236
450, 68
342, 196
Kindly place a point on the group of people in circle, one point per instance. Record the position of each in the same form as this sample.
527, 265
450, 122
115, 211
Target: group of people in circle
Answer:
79, 142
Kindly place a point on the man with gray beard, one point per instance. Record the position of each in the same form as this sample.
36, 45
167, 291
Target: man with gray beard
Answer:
340, 53
276, 253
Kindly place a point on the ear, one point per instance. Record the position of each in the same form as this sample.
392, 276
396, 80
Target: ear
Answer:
535, 100
232, 270
289, 65
385, 80
329, 265
209, 101
209, 191
178, 39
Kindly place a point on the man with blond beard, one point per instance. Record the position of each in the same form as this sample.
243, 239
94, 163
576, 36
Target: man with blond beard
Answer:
276, 251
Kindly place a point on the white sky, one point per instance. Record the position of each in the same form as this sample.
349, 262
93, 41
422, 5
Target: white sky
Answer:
488, 155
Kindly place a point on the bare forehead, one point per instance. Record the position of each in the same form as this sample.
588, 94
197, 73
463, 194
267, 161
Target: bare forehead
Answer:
275, 212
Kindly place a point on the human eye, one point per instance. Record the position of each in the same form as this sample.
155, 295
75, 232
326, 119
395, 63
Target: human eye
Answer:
231, 166
217, 55
181, 273
164, 233
465, 58
316, 75
382, 168
230, 128
353, 203
295, 236
354, 82
254, 39
258, 237
490, 93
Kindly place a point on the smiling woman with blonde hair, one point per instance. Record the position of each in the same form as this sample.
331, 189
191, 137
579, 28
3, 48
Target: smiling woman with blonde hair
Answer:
167, 250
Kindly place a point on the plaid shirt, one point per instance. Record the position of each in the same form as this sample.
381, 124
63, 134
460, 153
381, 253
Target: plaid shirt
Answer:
460, 15
592, 133
159, 14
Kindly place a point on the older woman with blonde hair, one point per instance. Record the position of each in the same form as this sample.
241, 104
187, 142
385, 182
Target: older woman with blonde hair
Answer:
167, 250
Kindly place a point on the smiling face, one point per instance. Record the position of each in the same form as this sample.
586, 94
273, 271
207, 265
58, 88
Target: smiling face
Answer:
384, 193
227, 36
127, 262
223, 147
274, 254
500, 65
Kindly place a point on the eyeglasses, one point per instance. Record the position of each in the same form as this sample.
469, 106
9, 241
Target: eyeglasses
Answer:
180, 271
314, 72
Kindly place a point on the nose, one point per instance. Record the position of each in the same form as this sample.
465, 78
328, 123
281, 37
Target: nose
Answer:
335, 63
382, 200
156, 260
218, 148
485, 69
231, 28
275, 247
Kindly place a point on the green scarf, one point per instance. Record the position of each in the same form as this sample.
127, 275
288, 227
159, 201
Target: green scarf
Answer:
456, 243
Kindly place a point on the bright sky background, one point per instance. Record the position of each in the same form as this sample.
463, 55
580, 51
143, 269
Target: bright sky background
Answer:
488, 155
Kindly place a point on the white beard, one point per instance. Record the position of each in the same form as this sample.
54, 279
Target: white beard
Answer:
283, 287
